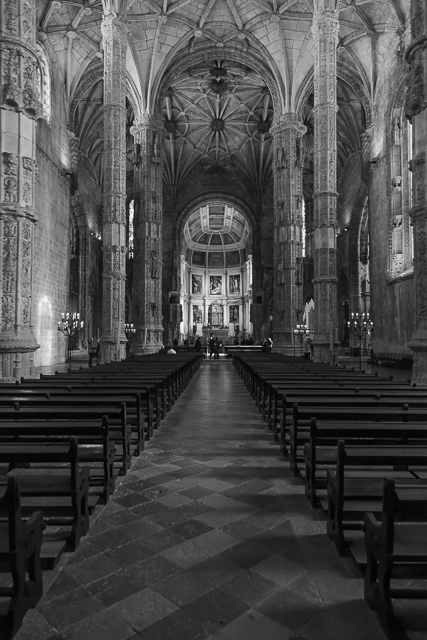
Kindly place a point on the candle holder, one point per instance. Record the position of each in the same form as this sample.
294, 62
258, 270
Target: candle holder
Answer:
70, 325
360, 325
129, 331
300, 331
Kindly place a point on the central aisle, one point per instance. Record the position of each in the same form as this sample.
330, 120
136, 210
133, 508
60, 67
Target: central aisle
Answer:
208, 536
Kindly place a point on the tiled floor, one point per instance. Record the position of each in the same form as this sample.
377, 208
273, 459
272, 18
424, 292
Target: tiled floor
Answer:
208, 536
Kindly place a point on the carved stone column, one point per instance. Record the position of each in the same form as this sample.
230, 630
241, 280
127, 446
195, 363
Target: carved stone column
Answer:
325, 38
148, 220
20, 107
288, 166
113, 339
416, 106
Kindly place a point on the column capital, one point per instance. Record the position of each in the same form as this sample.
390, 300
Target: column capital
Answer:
114, 27
288, 121
146, 122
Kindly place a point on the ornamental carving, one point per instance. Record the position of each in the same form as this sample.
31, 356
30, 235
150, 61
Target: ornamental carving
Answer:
11, 16
418, 168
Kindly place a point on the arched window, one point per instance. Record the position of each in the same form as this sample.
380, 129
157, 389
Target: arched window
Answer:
43, 76
401, 245
130, 228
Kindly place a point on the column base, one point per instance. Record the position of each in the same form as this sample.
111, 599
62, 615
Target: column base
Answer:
111, 352
418, 344
141, 349
322, 352
17, 357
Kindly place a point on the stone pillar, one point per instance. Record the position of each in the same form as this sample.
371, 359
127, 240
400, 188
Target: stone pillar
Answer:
113, 338
288, 166
325, 38
416, 105
20, 107
148, 225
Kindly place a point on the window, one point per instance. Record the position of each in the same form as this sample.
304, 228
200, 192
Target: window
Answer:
401, 252
43, 81
130, 228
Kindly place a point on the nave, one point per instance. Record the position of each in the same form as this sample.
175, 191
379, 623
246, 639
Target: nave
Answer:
208, 536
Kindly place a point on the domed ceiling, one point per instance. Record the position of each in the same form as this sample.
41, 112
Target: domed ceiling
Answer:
217, 116
217, 236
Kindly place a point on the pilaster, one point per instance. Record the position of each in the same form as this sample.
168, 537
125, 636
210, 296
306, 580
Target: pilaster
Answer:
20, 107
148, 225
113, 339
325, 38
416, 108
288, 165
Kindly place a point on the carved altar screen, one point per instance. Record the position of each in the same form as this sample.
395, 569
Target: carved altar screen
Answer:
215, 315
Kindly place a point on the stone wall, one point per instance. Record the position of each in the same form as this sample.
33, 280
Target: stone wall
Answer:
392, 301
51, 247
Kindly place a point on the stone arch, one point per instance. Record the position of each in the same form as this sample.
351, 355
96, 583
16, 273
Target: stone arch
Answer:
345, 74
96, 74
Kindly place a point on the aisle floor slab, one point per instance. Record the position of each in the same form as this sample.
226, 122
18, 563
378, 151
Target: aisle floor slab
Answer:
208, 537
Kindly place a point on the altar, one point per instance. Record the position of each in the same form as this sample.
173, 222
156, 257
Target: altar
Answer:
220, 333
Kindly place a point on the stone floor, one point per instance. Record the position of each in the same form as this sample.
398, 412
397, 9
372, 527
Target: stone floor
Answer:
207, 537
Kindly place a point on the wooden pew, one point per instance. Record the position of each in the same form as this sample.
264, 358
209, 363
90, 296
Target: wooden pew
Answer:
300, 432
152, 402
321, 448
398, 541
96, 448
107, 404
119, 430
58, 486
356, 484
20, 544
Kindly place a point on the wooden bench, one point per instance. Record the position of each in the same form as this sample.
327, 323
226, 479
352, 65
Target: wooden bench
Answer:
273, 404
153, 398
320, 450
96, 448
398, 541
356, 485
58, 486
20, 544
300, 432
119, 430
105, 403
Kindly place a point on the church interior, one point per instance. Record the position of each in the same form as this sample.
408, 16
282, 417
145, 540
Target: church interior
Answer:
250, 170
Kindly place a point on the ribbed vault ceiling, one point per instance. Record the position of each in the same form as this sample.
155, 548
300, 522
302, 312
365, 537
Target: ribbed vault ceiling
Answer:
219, 129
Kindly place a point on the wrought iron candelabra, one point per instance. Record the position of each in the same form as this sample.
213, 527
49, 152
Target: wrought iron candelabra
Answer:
360, 325
70, 325
301, 331
129, 331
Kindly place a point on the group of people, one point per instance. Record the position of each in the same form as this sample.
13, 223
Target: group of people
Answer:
214, 347
244, 341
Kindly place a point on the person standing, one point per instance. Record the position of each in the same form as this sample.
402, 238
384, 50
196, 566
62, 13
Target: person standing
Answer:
211, 347
216, 348
91, 351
